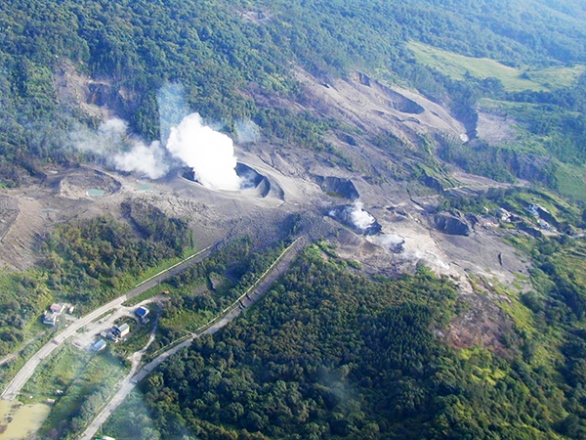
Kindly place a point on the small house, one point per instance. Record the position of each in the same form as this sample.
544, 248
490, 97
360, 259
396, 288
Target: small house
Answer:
121, 330
56, 308
99, 345
142, 313
50, 319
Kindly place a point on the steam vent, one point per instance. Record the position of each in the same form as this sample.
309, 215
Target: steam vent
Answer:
365, 224
251, 179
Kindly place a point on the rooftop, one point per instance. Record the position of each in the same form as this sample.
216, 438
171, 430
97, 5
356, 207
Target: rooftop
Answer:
56, 308
122, 327
141, 312
50, 318
98, 345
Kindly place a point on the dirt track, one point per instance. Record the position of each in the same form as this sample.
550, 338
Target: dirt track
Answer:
248, 299
25, 373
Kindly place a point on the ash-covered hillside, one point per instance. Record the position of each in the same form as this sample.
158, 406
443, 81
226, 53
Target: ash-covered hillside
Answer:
81, 61
430, 154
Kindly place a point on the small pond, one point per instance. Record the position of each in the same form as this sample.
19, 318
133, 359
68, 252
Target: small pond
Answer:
93, 192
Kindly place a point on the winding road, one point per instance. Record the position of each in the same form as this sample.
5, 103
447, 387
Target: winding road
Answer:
25, 373
279, 266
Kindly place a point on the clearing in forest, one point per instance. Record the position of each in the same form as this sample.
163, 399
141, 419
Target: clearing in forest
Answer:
513, 79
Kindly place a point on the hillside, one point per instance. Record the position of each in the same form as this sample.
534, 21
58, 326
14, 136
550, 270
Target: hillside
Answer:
432, 152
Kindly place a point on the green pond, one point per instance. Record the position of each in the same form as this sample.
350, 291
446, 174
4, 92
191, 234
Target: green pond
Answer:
93, 192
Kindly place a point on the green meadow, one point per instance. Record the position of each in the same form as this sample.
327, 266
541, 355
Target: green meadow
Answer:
513, 79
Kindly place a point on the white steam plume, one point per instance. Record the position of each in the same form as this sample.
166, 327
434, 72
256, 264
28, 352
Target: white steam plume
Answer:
391, 242
361, 218
103, 141
172, 108
146, 159
208, 152
112, 130
112, 142
247, 131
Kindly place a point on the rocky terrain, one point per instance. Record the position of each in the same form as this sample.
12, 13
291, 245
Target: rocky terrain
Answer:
289, 181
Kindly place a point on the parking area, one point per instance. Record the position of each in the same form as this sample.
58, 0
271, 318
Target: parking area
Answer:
101, 327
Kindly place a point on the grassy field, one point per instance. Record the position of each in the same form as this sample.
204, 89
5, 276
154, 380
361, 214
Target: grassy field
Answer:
557, 207
80, 377
571, 182
513, 79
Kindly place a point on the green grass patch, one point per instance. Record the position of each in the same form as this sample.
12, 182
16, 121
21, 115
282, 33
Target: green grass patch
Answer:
148, 294
188, 320
57, 373
570, 181
520, 314
9, 369
489, 375
165, 265
513, 79
133, 408
556, 77
90, 380
570, 264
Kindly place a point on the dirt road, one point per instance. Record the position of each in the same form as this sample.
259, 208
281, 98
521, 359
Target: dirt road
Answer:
29, 368
247, 299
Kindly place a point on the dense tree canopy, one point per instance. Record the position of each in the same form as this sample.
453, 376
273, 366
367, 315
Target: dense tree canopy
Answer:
327, 354
234, 57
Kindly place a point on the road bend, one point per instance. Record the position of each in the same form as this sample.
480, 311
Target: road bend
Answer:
252, 295
25, 373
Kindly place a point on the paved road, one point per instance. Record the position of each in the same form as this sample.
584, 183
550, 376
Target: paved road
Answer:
25, 373
247, 299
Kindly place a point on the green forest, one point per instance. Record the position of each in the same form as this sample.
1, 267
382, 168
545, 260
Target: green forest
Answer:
331, 351
236, 60
85, 262
329, 354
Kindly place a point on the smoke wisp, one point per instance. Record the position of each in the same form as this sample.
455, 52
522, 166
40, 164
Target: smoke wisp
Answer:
112, 142
145, 159
172, 109
360, 217
184, 138
209, 153
247, 131
391, 242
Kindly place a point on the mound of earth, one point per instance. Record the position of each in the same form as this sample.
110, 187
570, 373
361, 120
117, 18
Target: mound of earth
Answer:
88, 183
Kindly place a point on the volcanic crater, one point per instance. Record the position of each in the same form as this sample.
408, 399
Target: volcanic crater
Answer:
251, 181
